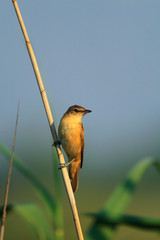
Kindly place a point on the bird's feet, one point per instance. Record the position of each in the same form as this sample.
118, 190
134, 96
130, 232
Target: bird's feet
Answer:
56, 143
66, 164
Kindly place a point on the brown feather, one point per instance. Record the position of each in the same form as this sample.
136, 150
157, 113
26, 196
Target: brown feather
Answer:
75, 180
71, 135
74, 168
82, 145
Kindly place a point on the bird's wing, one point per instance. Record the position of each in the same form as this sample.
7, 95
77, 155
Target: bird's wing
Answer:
82, 145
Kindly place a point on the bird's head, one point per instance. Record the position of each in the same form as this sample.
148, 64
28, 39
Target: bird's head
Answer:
77, 111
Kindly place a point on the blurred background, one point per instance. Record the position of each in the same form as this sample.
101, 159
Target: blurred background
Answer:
104, 56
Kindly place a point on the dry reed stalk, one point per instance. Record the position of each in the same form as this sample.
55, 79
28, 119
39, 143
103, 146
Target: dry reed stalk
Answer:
8, 180
51, 124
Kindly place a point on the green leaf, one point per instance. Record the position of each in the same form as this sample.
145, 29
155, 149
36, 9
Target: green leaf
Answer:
145, 223
119, 200
48, 200
116, 205
150, 224
34, 218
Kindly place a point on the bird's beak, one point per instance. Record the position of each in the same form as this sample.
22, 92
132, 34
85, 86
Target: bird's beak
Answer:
87, 111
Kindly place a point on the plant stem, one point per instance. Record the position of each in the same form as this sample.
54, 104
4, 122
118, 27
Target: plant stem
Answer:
8, 180
51, 123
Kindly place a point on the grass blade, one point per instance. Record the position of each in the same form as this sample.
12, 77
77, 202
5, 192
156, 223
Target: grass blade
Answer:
114, 207
48, 200
33, 216
145, 223
121, 197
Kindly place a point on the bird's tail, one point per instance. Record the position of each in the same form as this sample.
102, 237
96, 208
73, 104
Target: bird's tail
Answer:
75, 181
74, 175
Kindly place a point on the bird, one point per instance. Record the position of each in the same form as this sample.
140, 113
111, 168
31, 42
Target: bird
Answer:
71, 136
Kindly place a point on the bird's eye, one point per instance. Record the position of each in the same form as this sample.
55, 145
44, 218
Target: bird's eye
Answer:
76, 110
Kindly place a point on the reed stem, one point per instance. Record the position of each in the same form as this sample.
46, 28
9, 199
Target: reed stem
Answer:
8, 180
51, 124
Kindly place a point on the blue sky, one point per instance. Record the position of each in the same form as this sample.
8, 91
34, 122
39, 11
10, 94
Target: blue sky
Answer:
103, 55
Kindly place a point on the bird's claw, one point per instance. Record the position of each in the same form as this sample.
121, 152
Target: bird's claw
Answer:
66, 164
56, 143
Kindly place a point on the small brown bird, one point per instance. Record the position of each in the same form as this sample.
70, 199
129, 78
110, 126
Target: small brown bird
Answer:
71, 136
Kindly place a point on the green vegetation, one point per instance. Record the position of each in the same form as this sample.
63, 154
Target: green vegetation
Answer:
111, 216
52, 204
47, 223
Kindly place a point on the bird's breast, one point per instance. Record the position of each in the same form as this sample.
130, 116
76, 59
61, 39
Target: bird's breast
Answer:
69, 133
